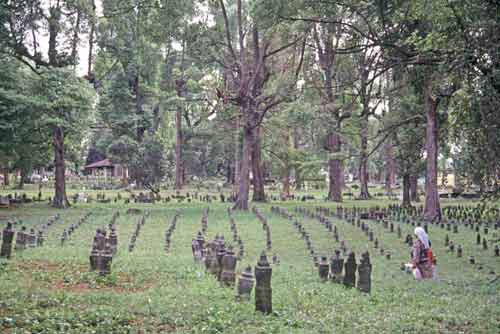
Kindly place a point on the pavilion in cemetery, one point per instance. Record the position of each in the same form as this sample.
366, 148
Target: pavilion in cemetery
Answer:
106, 168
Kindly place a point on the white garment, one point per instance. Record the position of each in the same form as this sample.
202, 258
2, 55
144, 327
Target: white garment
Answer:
422, 236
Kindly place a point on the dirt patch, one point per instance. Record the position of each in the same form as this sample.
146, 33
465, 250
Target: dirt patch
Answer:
40, 265
123, 284
79, 287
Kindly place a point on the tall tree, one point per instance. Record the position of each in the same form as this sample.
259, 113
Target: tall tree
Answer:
61, 22
250, 71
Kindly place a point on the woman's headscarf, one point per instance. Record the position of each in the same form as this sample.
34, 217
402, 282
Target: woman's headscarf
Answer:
422, 236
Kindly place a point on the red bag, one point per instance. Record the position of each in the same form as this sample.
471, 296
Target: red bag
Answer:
431, 257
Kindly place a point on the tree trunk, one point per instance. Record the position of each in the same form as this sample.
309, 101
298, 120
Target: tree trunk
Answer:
414, 188
298, 177
363, 160
432, 209
285, 194
138, 110
259, 194
6, 181
237, 153
75, 41
244, 177
335, 169
178, 149
390, 167
22, 178
229, 172
406, 190
91, 42
60, 198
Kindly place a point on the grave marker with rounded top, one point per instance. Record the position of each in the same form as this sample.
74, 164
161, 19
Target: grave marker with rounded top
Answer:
245, 284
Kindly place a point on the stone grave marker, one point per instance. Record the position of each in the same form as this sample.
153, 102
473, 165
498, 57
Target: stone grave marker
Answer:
228, 274
364, 273
350, 271
323, 269
245, 284
7, 237
263, 290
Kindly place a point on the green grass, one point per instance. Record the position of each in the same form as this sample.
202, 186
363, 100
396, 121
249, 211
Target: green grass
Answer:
49, 289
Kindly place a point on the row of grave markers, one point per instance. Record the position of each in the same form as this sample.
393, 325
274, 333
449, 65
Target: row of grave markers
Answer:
24, 239
337, 270
220, 261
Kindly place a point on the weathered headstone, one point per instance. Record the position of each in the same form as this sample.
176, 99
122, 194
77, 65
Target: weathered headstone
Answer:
221, 251
32, 238
7, 237
228, 274
323, 269
245, 284
93, 258
350, 270
263, 290
104, 261
364, 273
21, 239
336, 266
113, 240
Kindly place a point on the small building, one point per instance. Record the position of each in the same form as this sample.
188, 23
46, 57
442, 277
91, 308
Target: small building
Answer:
106, 168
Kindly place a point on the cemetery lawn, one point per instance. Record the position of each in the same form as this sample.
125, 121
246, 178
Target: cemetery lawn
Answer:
50, 289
